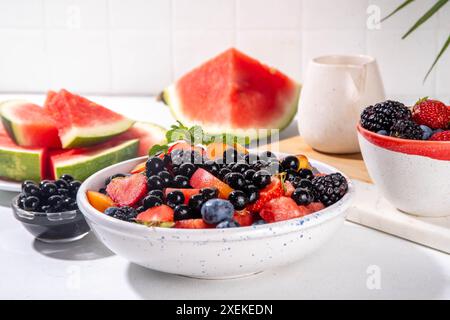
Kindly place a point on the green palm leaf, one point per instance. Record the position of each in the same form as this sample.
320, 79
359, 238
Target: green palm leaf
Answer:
426, 16
446, 44
400, 7
435, 8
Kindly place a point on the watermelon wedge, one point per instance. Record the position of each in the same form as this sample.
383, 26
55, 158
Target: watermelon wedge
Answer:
82, 122
29, 125
83, 162
19, 163
148, 135
234, 93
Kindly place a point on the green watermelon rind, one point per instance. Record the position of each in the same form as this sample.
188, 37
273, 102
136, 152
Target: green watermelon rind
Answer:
170, 98
84, 137
83, 166
18, 164
10, 124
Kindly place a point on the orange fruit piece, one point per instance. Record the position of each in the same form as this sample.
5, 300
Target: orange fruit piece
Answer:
215, 150
139, 168
99, 201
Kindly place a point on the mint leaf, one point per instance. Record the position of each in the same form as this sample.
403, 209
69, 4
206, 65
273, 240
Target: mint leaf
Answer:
158, 149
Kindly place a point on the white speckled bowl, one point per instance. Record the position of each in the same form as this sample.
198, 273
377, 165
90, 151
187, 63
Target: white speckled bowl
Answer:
212, 253
414, 175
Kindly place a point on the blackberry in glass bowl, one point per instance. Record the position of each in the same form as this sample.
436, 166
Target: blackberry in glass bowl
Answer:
49, 210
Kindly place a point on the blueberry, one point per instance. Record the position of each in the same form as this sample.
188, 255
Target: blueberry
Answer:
60, 183
252, 193
212, 167
55, 201
174, 198
44, 182
227, 224
251, 158
305, 184
66, 177
182, 212
230, 165
140, 209
32, 190
63, 192
427, 132
258, 222
196, 202
45, 208
291, 175
74, 186
383, 132
155, 182
261, 178
48, 189
31, 203
223, 172
268, 156
151, 201
260, 164
102, 190
216, 210
181, 181
235, 180
187, 169
238, 199
157, 193
166, 178
209, 193
153, 166
305, 174
290, 163
240, 167
27, 182
111, 211
302, 197
248, 175
109, 179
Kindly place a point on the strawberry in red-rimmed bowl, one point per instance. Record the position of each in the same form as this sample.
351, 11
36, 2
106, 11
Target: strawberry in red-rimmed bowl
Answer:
407, 154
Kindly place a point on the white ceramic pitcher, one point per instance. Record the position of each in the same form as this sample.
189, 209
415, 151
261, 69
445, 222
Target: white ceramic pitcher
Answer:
336, 90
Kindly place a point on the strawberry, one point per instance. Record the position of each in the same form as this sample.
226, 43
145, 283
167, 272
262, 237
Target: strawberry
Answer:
273, 190
315, 206
441, 136
192, 224
282, 208
127, 191
244, 217
156, 214
431, 113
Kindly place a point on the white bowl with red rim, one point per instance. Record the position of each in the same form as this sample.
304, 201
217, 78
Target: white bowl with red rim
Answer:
212, 253
414, 175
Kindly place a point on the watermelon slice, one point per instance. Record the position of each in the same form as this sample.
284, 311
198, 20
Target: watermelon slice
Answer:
82, 122
83, 162
29, 125
148, 134
234, 93
19, 163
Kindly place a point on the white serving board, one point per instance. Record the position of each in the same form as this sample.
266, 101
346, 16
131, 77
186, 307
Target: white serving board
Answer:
372, 210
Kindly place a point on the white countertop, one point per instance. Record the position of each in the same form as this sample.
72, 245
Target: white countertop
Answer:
350, 266
340, 270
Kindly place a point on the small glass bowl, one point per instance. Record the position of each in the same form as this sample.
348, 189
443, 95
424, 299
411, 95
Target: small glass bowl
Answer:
59, 227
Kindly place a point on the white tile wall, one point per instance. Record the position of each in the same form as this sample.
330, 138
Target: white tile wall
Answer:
139, 46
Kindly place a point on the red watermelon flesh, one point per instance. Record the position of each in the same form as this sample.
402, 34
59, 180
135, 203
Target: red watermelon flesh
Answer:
29, 125
234, 91
148, 135
82, 122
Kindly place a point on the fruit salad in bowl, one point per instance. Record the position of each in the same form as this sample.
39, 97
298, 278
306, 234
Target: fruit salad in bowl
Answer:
240, 213
407, 153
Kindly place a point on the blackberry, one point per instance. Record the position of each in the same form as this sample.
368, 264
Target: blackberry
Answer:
122, 213
406, 129
330, 188
383, 115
